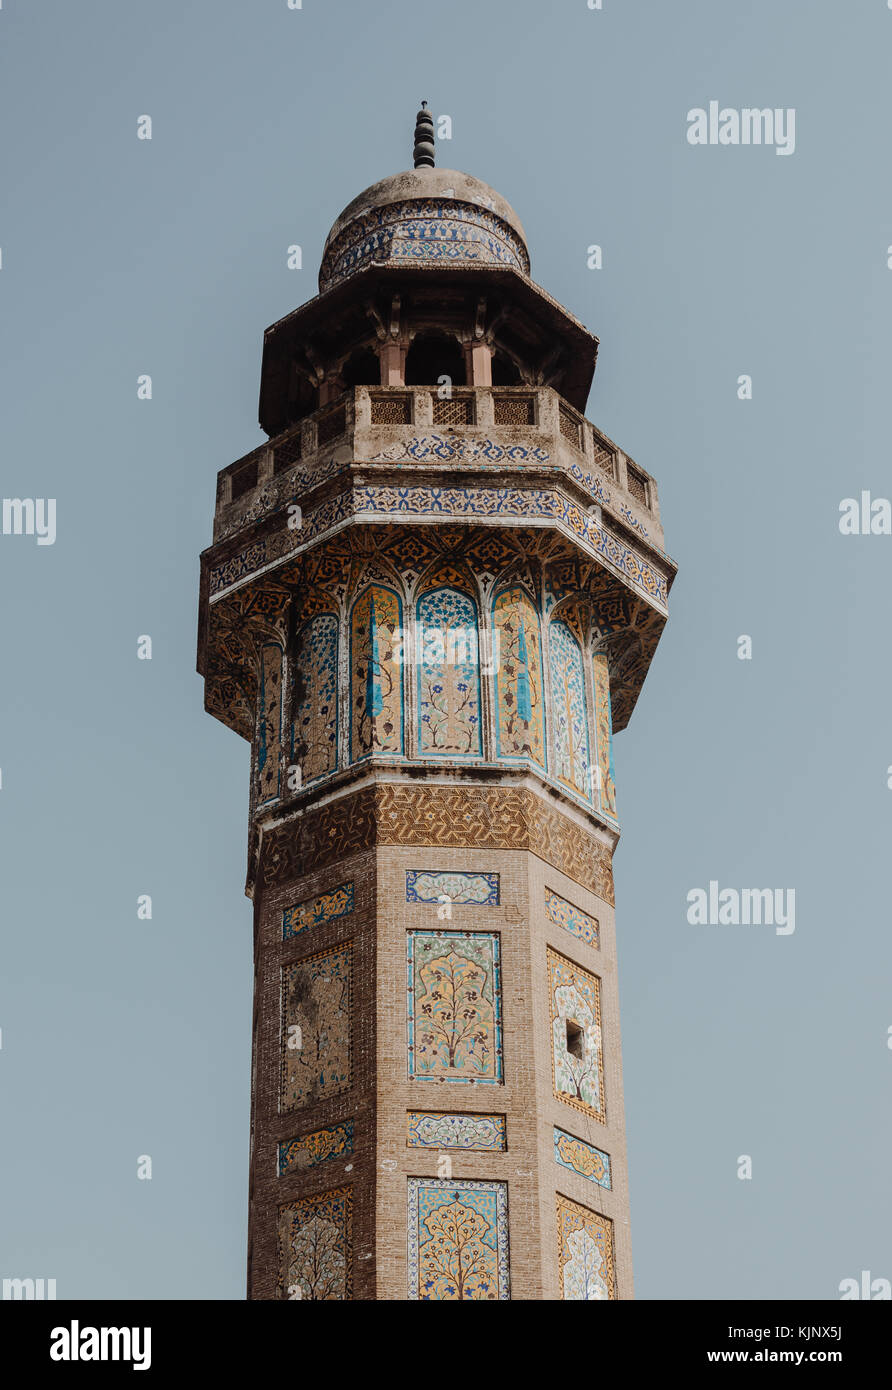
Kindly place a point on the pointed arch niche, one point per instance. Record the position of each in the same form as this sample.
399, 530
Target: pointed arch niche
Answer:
520, 702
376, 674
572, 756
269, 725
604, 733
314, 728
448, 659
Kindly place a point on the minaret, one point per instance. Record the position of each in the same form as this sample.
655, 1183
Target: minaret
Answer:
430, 602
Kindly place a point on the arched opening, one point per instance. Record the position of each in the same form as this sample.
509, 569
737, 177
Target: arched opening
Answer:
504, 371
433, 355
303, 399
362, 368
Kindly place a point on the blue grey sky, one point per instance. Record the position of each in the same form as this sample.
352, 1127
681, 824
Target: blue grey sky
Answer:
120, 257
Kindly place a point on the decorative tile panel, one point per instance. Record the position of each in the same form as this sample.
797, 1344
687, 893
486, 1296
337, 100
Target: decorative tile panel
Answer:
535, 505
437, 1129
376, 682
458, 1241
454, 1006
316, 1028
582, 1158
577, 1058
269, 732
604, 735
314, 733
422, 230
435, 886
520, 700
572, 919
568, 712
585, 1253
337, 902
452, 448
295, 1155
315, 1238
448, 675
511, 502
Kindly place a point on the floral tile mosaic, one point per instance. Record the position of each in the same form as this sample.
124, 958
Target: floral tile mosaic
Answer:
458, 1241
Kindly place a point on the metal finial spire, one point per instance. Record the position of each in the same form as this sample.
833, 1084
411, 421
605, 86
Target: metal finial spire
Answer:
423, 152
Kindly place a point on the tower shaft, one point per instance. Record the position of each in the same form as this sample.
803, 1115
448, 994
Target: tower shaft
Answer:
430, 603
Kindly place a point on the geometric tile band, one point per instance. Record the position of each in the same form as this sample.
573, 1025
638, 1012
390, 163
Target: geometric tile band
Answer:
572, 919
431, 886
585, 1253
454, 1006
437, 1129
337, 902
574, 998
440, 816
582, 1158
297, 1154
316, 1047
316, 1248
458, 1241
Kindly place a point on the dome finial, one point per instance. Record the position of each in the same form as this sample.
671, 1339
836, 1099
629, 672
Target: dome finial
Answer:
423, 153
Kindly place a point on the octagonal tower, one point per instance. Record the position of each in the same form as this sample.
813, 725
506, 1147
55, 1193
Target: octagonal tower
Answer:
430, 602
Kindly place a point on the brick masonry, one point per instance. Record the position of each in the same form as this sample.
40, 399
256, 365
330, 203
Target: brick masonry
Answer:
382, 1094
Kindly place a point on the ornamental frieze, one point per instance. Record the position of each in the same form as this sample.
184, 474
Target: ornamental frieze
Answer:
444, 816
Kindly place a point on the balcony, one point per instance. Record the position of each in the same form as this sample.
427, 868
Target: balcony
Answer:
377, 428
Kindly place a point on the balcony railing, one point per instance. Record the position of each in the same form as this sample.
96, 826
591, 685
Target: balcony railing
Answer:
388, 409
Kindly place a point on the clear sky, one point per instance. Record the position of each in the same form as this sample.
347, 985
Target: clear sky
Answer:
121, 257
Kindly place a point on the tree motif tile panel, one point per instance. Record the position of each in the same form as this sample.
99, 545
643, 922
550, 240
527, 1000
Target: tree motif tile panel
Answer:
454, 1006
585, 1253
577, 1056
316, 1028
315, 1238
458, 1241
